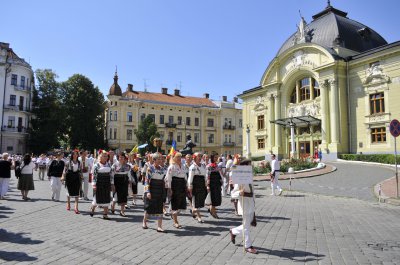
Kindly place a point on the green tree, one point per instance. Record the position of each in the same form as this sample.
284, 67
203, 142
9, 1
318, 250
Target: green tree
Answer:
84, 107
146, 132
46, 123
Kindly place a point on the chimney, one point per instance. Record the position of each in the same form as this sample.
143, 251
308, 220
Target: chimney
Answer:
206, 95
224, 98
130, 88
235, 99
164, 90
176, 92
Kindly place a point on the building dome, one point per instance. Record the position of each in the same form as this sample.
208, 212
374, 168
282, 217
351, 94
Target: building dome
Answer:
331, 28
115, 89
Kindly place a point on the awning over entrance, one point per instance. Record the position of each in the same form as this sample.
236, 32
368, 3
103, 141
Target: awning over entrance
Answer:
300, 121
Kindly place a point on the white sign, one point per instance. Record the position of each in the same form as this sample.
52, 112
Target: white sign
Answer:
242, 174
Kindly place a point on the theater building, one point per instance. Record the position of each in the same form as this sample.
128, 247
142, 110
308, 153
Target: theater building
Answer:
334, 86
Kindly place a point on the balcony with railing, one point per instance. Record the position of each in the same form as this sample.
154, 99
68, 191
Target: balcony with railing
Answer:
17, 107
229, 143
20, 129
170, 125
229, 127
22, 88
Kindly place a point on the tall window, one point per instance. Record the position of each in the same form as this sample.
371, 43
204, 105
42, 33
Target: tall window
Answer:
196, 122
11, 122
111, 115
22, 82
240, 123
188, 121
211, 138
196, 137
305, 89
179, 120
115, 133
261, 143
115, 115
170, 119
13, 100
378, 135
128, 134
153, 117
317, 91
129, 116
142, 117
179, 137
210, 122
240, 139
161, 119
14, 79
110, 136
260, 122
377, 103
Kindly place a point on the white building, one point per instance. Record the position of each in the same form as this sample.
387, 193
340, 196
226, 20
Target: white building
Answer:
16, 81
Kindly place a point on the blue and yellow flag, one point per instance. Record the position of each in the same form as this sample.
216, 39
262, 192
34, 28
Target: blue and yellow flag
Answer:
135, 150
173, 147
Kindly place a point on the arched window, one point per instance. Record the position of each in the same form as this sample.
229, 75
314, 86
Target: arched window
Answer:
305, 89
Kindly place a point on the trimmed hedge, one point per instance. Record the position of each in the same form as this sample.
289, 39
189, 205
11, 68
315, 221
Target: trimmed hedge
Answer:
378, 158
257, 158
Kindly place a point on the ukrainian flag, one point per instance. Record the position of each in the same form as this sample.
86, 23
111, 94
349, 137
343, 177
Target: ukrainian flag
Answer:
135, 150
173, 147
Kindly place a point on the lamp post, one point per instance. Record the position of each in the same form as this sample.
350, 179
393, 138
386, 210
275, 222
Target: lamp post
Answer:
248, 140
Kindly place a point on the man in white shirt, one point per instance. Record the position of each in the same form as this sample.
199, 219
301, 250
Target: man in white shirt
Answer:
42, 165
275, 171
229, 164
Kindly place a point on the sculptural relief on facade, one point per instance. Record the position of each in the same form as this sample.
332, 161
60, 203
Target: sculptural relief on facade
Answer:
374, 75
298, 59
302, 109
260, 104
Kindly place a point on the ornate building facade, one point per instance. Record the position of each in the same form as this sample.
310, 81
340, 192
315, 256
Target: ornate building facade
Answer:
16, 81
215, 126
333, 86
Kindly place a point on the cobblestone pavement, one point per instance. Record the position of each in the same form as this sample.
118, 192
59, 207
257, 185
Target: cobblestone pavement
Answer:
349, 180
295, 228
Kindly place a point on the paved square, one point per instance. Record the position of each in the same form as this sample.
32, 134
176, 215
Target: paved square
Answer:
296, 227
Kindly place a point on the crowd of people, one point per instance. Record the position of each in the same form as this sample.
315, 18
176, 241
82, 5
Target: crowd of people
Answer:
171, 184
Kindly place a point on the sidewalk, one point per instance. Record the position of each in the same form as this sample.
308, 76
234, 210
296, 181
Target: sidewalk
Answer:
388, 192
308, 174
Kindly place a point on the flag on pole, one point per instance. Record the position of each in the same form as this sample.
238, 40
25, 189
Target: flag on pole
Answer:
135, 150
173, 147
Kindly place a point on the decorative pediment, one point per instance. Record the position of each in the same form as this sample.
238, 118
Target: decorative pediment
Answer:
302, 109
375, 76
260, 104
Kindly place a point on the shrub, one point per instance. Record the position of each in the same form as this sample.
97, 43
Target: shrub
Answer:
296, 164
378, 158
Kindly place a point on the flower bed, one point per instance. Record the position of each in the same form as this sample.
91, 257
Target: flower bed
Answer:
264, 167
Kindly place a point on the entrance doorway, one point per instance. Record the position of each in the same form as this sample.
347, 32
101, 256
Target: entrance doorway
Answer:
304, 149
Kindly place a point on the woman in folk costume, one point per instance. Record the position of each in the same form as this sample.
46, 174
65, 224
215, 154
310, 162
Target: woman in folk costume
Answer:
102, 183
135, 172
73, 177
214, 183
234, 200
197, 185
154, 190
186, 166
85, 168
121, 173
246, 207
176, 182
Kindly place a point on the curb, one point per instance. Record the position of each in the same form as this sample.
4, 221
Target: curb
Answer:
302, 177
384, 198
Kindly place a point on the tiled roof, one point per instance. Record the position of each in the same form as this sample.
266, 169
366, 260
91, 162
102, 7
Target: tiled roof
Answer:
169, 99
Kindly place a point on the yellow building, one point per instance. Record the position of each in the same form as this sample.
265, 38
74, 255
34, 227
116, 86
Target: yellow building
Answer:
213, 125
333, 86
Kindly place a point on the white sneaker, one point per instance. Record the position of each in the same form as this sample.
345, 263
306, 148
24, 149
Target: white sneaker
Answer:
280, 192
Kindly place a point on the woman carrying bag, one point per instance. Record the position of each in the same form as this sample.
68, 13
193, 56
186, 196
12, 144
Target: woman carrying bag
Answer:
73, 177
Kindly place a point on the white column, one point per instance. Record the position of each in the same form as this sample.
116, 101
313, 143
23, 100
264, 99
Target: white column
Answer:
334, 111
277, 116
271, 125
324, 112
293, 144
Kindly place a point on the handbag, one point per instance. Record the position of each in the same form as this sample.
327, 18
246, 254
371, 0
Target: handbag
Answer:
254, 222
18, 171
208, 199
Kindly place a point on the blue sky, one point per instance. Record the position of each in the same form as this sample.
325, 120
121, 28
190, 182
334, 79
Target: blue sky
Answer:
221, 47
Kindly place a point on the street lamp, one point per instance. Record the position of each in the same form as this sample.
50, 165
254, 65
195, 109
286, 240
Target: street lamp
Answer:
248, 140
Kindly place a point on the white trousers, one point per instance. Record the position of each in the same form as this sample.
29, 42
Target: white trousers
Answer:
4, 183
86, 185
42, 173
225, 185
56, 185
244, 229
275, 183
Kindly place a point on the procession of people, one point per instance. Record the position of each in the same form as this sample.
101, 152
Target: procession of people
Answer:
171, 184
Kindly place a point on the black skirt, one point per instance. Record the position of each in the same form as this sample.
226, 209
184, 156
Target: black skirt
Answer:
215, 188
155, 205
199, 191
178, 198
134, 185
73, 183
103, 187
121, 188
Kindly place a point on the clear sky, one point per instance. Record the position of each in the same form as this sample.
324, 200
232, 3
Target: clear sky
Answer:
221, 47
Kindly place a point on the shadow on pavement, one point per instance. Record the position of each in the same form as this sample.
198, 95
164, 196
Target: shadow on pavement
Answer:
17, 238
196, 231
5, 210
294, 195
15, 256
295, 255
